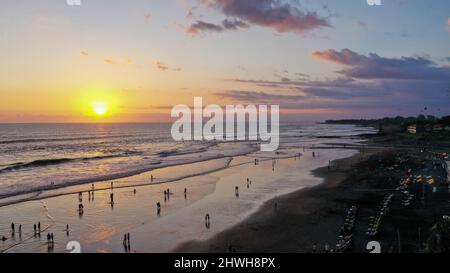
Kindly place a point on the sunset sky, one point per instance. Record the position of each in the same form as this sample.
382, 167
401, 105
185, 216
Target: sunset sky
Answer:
138, 58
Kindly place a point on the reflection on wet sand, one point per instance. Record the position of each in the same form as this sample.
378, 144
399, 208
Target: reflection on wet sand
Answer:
118, 210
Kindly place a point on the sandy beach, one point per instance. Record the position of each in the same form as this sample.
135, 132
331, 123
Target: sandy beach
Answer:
300, 219
211, 189
293, 199
314, 216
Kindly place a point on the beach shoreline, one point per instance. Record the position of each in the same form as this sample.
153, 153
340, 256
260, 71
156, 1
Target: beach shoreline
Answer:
314, 216
294, 203
268, 221
208, 192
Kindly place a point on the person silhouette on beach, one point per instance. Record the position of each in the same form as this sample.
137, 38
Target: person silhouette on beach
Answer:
50, 242
80, 209
20, 231
34, 229
112, 185
158, 208
125, 245
207, 221
236, 191
13, 228
151, 178
185, 193
126, 242
39, 227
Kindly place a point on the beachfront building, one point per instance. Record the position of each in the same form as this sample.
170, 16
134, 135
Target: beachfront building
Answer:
428, 127
412, 129
438, 127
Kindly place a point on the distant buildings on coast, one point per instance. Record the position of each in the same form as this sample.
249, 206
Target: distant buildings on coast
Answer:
414, 129
413, 125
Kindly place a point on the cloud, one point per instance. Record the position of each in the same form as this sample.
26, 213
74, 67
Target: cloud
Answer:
274, 14
372, 66
109, 61
287, 83
234, 24
335, 89
163, 67
201, 27
125, 62
360, 98
345, 56
255, 96
367, 84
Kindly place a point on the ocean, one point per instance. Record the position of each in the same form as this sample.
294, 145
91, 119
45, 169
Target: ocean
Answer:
40, 157
43, 167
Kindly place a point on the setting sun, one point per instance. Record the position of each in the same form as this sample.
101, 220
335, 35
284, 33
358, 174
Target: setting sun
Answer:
99, 104
100, 107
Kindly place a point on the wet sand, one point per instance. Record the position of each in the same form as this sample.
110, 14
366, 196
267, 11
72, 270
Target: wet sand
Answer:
315, 215
210, 189
292, 203
300, 218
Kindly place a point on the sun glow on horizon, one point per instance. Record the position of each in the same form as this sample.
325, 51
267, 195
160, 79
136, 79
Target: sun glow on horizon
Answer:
98, 103
100, 107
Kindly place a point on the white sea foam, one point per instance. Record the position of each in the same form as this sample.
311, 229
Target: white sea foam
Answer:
44, 157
